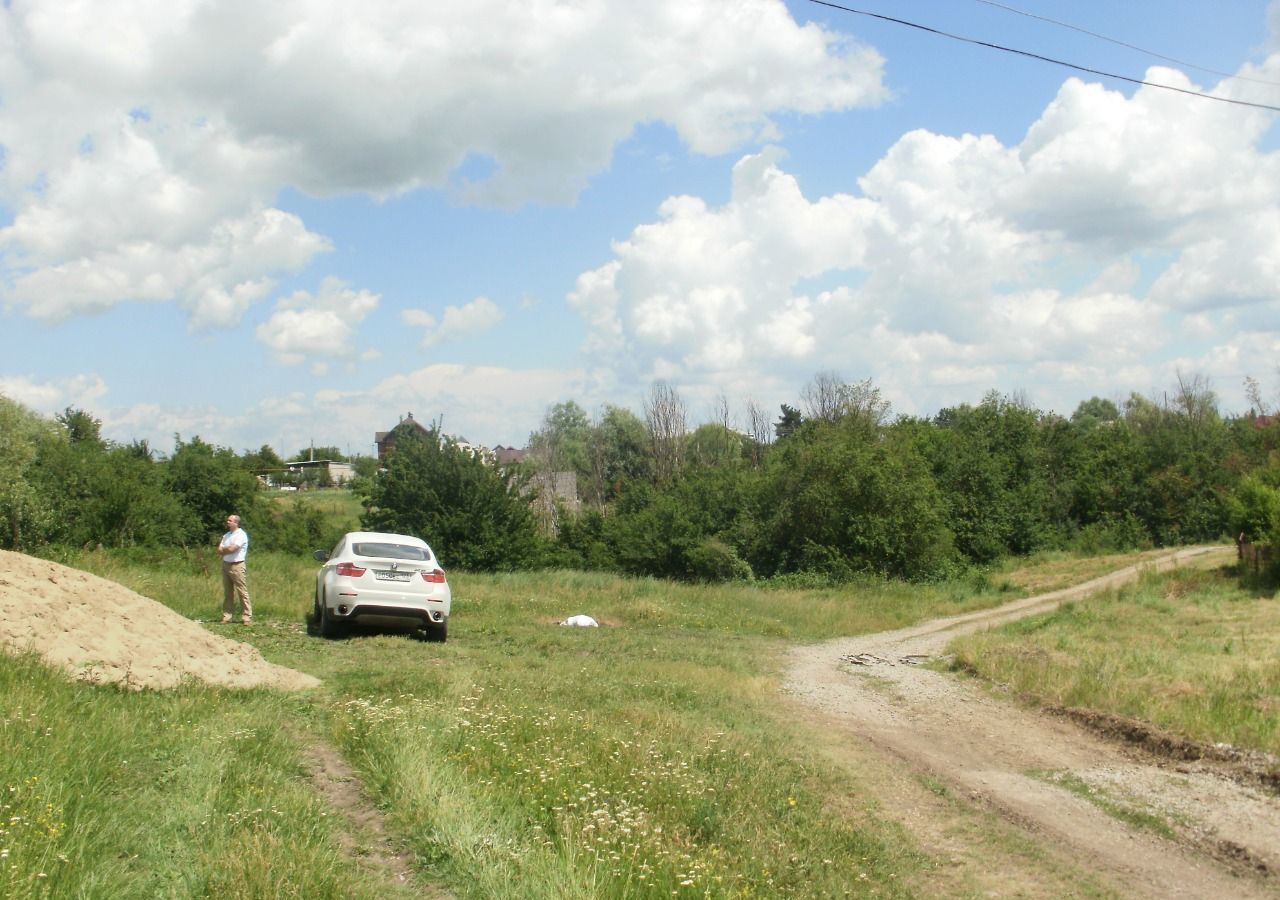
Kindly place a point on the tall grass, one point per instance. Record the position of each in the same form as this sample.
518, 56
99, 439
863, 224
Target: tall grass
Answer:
1191, 651
187, 793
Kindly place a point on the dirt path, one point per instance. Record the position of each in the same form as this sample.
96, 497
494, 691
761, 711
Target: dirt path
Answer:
873, 689
365, 837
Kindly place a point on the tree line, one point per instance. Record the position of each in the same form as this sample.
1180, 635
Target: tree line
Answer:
834, 487
62, 484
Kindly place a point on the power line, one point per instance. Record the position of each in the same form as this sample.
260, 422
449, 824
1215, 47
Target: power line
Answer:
1118, 43
1048, 59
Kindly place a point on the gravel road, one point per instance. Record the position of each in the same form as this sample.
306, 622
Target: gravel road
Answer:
985, 747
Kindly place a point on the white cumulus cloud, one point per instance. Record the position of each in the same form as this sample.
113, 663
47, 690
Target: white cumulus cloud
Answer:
962, 264
467, 320
144, 143
321, 327
52, 397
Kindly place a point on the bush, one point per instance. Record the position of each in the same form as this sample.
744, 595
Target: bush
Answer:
714, 560
1114, 534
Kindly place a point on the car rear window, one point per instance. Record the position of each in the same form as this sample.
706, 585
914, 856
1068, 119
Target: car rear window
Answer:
380, 550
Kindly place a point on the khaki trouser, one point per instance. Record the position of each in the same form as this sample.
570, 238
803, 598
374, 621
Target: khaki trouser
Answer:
234, 585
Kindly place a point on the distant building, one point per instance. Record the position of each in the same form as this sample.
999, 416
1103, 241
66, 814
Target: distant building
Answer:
386, 440
336, 472
505, 456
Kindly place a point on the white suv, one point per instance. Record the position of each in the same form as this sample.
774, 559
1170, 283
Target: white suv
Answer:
376, 579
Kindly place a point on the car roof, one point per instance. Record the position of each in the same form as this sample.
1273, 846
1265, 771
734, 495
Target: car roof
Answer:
384, 537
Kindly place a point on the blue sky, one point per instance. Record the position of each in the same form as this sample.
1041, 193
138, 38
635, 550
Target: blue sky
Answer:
293, 223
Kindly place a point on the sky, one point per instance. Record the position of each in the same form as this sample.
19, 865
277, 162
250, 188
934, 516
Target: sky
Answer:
294, 223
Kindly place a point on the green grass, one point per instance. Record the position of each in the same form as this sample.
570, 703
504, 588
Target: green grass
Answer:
1124, 810
340, 506
520, 759
186, 793
1192, 652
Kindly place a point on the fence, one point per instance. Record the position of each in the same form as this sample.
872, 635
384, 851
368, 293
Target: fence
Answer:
1255, 556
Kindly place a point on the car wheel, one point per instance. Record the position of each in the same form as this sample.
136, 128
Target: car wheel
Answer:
438, 632
328, 627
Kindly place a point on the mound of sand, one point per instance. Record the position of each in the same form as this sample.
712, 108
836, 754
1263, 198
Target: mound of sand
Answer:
102, 632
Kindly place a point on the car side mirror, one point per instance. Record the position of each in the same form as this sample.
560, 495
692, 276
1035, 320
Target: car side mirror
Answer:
320, 556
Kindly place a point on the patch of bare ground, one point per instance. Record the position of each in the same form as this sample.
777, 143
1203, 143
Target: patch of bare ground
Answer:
1078, 812
364, 838
1250, 767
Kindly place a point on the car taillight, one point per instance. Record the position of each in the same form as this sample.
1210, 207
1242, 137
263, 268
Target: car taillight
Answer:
436, 576
350, 570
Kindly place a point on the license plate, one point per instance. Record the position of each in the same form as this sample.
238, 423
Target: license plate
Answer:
392, 576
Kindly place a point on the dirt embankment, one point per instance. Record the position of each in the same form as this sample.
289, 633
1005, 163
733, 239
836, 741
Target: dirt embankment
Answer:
103, 632
1019, 762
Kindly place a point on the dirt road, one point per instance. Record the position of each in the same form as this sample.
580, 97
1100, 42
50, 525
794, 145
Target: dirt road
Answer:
1013, 761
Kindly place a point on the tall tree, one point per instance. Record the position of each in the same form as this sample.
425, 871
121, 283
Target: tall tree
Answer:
81, 427
788, 423
563, 440
665, 417
618, 452
473, 514
760, 431
829, 398
211, 483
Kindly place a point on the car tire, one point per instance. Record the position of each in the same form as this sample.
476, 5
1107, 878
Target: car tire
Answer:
438, 632
328, 627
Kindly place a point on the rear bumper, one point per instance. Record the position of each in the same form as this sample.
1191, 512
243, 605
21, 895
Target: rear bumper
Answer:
374, 611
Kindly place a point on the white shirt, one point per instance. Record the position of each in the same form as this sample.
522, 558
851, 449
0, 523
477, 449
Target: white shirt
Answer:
241, 542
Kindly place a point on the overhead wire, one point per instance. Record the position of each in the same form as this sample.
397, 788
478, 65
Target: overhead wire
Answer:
1119, 43
1042, 58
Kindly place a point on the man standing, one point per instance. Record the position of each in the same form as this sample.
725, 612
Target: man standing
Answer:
234, 548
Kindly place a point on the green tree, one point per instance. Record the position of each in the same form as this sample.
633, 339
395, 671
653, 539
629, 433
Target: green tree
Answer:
473, 514
689, 528
619, 454
365, 466
841, 501
563, 438
1254, 508
26, 514
211, 483
788, 423
109, 495
829, 398
307, 454
712, 444
263, 461
1185, 446
988, 463
298, 528
81, 427
1094, 412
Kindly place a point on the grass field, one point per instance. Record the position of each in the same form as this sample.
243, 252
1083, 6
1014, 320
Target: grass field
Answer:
339, 506
520, 759
1196, 654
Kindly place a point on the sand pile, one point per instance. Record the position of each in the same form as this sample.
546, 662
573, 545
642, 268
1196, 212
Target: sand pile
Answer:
103, 632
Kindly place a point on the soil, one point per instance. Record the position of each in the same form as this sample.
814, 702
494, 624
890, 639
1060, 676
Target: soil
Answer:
871, 697
102, 632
